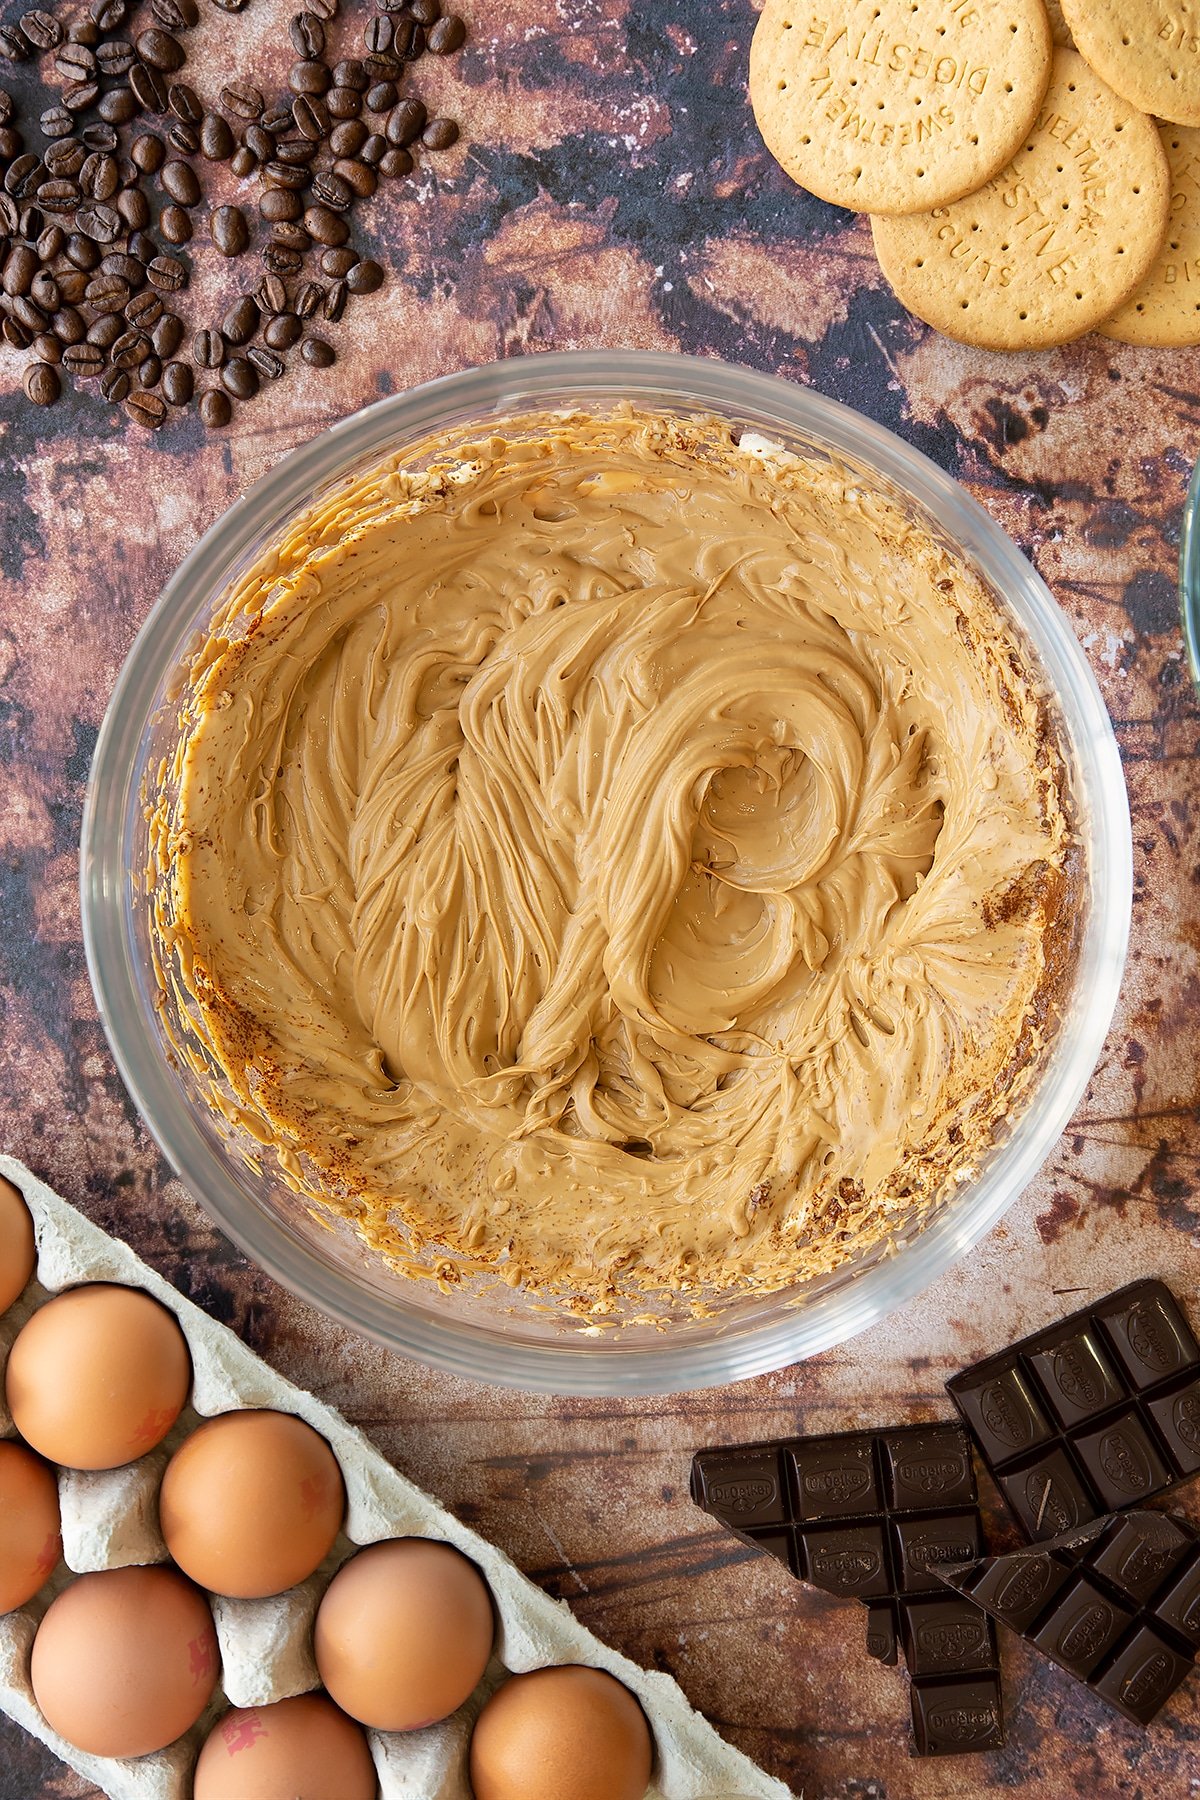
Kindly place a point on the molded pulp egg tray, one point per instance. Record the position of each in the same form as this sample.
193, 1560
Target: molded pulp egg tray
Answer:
110, 1520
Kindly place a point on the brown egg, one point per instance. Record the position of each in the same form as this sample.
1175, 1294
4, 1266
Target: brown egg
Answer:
18, 1252
125, 1661
30, 1538
561, 1734
98, 1376
404, 1633
251, 1503
295, 1747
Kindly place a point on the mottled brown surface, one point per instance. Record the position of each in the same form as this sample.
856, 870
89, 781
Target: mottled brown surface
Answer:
614, 192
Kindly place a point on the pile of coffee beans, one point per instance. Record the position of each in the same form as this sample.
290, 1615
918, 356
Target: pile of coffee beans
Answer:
100, 195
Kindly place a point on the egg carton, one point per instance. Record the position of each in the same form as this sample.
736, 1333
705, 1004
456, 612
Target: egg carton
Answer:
110, 1520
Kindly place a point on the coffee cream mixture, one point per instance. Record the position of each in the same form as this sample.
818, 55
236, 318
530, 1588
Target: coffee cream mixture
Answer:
614, 860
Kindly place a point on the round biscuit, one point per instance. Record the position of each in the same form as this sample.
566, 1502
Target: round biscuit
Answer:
1148, 50
894, 106
1165, 309
1055, 242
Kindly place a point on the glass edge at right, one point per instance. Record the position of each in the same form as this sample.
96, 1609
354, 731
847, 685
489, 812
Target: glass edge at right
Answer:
545, 381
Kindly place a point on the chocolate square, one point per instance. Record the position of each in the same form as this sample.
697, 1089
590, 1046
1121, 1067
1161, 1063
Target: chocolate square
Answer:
952, 1718
930, 1468
1122, 1462
882, 1641
1003, 1413
1143, 1675
740, 1487
1138, 1556
1177, 1416
778, 1544
926, 1543
1150, 1335
849, 1561
1179, 1606
1082, 1625
1077, 1378
1048, 1498
946, 1637
1017, 1588
833, 1477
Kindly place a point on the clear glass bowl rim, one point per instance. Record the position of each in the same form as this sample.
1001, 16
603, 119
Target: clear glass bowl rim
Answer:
579, 1365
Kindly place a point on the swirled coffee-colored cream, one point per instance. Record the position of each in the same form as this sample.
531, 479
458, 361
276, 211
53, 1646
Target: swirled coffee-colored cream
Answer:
614, 860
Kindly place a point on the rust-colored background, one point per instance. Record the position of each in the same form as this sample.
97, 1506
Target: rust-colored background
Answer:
611, 190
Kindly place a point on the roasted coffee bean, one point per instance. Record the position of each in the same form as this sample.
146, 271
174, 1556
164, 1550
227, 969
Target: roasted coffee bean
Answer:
178, 383
241, 321
285, 175
243, 163
84, 361
83, 30
228, 229
150, 90
373, 150
310, 115
66, 157
271, 294
240, 378
175, 15
129, 269
332, 190
42, 385
14, 45
43, 290
290, 234
31, 222
58, 196
297, 152
147, 152
82, 252
42, 29
15, 334
406, 123
282, 331
445, 36
75, 62
208, 349
244, 101
337, 263
357, 177
33, 317
103, 332
379, 34
116, 57
47, 348
118, 107
395, 163
108, 293
277, 203
134, 208
167, 335
425, 12
143, 246
10, 216
178, 179
6, 107
98, 221
351, 73
23, 175
98, 176
307, 34
71, 285
51, 242
281, 260
230, 6
167, 273
317, 353
183, 139
259, 141
109, 15
216, 139
146, 409
114, 385
439, 134
81, 95
130, 349
348, 137
57, 122
149, 371
267, 362
334, 303
343, 103
365, 277
11, 143
325, 226
215, 409
20, 267
409, 41
277, 119
308, 298
382, 97
160, 50
175, 224
309, 77
144, 311
184, 102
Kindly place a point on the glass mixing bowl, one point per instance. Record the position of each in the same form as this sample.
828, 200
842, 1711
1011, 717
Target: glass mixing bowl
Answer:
502, 1339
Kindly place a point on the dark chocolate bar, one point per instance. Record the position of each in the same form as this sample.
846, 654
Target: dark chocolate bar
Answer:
1117, 1604
871, 1516
1098, 1412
